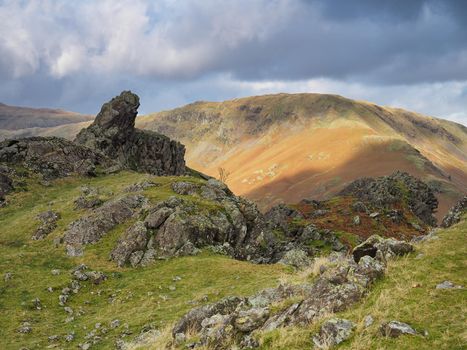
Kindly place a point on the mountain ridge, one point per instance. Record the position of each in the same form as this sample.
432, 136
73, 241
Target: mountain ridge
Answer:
269, 140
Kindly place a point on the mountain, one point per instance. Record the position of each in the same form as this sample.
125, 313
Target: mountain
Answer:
283, 148
16, 118
286, 147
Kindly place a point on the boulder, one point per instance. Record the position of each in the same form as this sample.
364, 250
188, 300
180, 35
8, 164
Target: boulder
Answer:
113, 133
90, 228
333, 332
296, 258
395, 329
132, 241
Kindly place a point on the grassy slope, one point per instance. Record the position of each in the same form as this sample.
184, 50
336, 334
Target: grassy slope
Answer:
140, 293
407, 293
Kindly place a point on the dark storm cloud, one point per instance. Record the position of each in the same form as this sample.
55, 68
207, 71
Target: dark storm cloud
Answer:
74, 54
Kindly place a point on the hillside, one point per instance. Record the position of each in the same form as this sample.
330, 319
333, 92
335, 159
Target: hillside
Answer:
17, 118
147, 300
110, 241
283, 148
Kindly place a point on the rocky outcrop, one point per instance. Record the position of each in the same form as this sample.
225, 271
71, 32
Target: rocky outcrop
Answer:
177, 227
93, 226
52, 157
113, 134
48, 221
383, 192
233, 320
455, 213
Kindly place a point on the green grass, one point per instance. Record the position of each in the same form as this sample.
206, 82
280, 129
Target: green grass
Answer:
142, 295
407, 293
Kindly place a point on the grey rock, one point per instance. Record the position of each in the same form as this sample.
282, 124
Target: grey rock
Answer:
48, 221
333, 332
356, 220
7, 276
376, 246
385, 191
70, 337
114, 323
92, 227
248, 320
113, 133
368, 321
395, 329
185, 188
193, 319
455, 213
131, 244
296, 258
54, 338
448, 285
52, 157
25, 328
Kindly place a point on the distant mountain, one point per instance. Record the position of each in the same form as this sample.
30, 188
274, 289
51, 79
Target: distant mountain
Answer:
286, 147
283, 148
15, 118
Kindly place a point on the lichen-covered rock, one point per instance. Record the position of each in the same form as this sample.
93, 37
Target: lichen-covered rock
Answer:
248, 320
455, 213
381, 248
333, 332
52, 157
193, 320
48, 221
233, 321
90, 228
395, 329
399, 187
296, 258
113, 133
134, 240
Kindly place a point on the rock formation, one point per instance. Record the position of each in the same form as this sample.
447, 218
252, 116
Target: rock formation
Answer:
455, 213
52, 157
235, 319
400, 187
113, 133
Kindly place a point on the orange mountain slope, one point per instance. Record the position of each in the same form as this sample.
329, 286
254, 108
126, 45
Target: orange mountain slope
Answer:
282, 148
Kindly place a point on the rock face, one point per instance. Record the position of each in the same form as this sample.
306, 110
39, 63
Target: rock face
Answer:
400, 187
92, 227
113, 133
52, 157
177, 227
455, 213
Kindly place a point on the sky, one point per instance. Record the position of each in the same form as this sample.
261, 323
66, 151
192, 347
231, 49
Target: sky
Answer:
78, 54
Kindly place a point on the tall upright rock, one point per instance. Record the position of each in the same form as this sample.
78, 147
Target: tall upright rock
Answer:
114, 134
